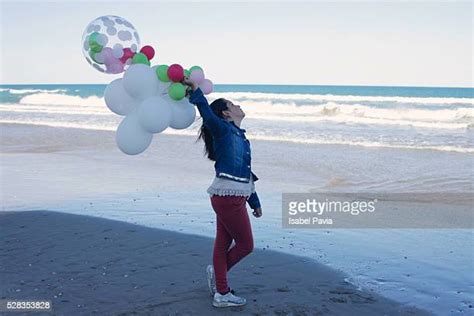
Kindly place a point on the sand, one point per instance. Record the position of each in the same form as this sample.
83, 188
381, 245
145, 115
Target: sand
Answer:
92, 266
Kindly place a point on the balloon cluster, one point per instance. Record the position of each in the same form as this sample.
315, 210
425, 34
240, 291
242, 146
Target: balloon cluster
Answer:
175, 73
151, 98
148, 109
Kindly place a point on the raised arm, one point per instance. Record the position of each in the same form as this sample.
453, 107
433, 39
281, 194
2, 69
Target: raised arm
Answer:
215, 123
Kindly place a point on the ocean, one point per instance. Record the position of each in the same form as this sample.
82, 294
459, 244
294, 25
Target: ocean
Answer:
419, 118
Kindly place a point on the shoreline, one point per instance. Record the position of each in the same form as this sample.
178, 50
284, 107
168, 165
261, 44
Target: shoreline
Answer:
85, 264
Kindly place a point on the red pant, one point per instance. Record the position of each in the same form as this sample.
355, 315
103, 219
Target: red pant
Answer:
232, 223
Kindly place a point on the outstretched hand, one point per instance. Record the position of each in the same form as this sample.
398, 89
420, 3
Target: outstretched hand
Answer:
257, 212
190, 85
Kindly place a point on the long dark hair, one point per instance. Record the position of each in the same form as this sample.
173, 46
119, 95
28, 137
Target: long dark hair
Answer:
217, 106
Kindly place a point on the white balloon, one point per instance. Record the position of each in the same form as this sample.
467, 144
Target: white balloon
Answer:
154, 114
118, 100
162, 86
184, 114
140, 81
131, 138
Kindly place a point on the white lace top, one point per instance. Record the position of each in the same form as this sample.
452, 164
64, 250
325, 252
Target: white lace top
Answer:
222, 186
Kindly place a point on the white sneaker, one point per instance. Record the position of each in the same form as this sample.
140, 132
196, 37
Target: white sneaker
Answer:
227, 300
211, 279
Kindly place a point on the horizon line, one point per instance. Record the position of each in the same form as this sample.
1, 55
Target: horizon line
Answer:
265, 84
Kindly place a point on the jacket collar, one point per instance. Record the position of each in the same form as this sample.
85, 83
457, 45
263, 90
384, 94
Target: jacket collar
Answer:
241, 129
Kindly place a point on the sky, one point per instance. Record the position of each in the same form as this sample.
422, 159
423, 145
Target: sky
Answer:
387, 43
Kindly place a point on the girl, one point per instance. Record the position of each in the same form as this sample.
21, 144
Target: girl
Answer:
233, 186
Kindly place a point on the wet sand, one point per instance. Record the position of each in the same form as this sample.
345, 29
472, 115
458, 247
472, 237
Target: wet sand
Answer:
92, 266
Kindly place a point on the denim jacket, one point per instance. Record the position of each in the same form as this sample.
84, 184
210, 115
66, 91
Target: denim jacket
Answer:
231, 147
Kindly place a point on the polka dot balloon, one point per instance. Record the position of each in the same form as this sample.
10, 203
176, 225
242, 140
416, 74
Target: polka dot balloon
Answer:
109, 44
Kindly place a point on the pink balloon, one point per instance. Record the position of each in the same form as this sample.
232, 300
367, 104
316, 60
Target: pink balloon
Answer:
127, 53
206, 86
175, 73
114, 68
108, 55
148, 51
197, 76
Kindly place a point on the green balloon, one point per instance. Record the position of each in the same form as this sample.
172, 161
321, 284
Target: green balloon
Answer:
140, 58
93, 44
176, 91
92, 55
95, 47
93, 37
194, 68
162, 73
187, 72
